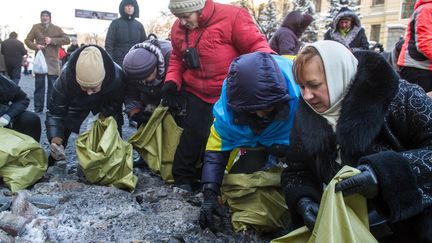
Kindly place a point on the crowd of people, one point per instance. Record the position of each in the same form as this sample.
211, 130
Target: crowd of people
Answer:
315, 108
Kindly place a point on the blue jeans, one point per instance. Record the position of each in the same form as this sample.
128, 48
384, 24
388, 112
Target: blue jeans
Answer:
39, 93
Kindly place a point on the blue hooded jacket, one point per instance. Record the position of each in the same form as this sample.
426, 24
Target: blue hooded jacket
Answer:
256, 81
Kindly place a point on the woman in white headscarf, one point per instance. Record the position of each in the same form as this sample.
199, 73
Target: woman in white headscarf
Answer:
356, 111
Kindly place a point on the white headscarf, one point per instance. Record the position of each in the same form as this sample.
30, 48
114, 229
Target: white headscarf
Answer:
340, 67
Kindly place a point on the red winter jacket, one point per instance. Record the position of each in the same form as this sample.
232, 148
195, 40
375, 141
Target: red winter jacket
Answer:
417, 49
229, 33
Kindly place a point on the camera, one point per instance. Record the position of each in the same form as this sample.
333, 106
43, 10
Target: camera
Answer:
191, 58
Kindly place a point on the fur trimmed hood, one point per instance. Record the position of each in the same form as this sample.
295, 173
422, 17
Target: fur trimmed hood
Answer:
363, 113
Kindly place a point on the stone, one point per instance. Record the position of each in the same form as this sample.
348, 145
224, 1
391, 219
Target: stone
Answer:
44, 202
22, 207
5, 238
12, 224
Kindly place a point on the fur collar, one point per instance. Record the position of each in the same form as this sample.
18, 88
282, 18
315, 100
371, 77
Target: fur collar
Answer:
363, 113
352, 34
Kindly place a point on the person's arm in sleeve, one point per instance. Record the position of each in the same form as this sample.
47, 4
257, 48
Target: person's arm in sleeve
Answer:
60, 39
143, 36
57, 111
364, 44
17, 97
30, 39
327, 35
287, 45
23, 50
424, 32
176, 66
245, 35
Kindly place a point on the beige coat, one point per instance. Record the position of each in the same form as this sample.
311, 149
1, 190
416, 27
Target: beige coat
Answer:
58, 38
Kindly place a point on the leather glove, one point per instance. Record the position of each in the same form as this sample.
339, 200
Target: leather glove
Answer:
278, 150
365, 183
57, 151
169, 94
4, 120
308, 209
210, 208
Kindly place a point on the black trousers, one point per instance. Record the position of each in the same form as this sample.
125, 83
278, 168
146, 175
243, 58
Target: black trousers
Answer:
14, 73
27, 123
196, 129
418, 76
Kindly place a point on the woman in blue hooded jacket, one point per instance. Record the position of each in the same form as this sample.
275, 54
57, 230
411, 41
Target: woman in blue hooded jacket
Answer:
255, 110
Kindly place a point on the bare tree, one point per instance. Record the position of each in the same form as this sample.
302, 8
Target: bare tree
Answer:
161, 26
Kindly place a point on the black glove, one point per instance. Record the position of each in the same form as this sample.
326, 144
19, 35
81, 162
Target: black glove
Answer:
210, 208
141, 117
308, 209
169, 94
278, 150
365, 183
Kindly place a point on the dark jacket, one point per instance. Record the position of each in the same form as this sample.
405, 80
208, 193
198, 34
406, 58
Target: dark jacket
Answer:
70, 105
355, 39
144, 98
384, 122
286, 39
13, 101
13, 51
124, 32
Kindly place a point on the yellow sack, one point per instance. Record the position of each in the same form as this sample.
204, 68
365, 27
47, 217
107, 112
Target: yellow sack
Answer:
157, 142
22, 160
104, 157
256, 200
339, 220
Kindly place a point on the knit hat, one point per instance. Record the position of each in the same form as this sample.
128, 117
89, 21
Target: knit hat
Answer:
46, 12
90, 71
185, 6
139, 63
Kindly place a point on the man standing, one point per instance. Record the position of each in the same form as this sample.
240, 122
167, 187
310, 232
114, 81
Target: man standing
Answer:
13, 51
415, 58
124, 32
47, 38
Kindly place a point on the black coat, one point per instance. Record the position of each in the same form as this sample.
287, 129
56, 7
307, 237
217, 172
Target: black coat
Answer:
70, 105
13, 51
124, 32
13, 101
384, 122
355, 39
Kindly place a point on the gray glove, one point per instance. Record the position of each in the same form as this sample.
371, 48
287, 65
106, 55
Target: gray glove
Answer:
4, 120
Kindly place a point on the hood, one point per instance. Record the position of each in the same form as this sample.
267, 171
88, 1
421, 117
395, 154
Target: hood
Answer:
345, 12
255, 82
126, 2
297, 22
421, 2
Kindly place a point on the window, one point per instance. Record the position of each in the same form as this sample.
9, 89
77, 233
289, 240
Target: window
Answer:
377, 2
317, 5
375, 32
407, 8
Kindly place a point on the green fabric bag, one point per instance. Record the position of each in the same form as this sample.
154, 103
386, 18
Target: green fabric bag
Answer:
22, 160
339, 220
104, 157
256, 200
157, 142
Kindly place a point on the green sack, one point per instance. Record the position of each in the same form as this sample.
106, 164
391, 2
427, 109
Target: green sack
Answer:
256, 200
339, 220
157, 142
22, 160
104, 157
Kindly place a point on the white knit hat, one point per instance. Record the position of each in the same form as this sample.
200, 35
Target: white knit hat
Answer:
185, 6
89, 69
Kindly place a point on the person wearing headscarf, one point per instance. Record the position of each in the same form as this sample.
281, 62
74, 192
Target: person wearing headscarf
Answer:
347, 30
286, 40
356, 111
89, 82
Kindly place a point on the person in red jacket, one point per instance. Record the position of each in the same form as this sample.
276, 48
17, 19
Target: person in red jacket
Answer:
415, 58
206, 37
